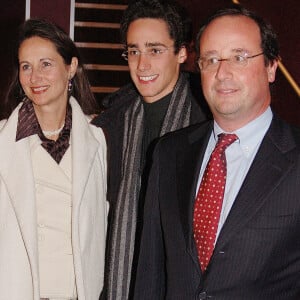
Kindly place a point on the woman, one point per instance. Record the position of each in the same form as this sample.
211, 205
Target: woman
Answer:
53, 208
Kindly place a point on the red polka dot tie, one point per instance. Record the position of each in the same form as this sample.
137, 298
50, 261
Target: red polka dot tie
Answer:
209, 200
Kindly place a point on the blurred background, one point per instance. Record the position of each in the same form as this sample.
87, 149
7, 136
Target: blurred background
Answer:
94, 26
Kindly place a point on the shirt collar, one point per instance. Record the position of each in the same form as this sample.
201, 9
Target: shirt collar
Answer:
27, 121
252, 133
28, 125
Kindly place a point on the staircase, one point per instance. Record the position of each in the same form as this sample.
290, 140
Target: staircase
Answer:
96, 34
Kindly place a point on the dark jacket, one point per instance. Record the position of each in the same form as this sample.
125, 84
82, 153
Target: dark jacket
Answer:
112, 122
257, 254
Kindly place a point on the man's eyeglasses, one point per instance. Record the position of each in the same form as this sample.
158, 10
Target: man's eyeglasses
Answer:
236, 60
132, 54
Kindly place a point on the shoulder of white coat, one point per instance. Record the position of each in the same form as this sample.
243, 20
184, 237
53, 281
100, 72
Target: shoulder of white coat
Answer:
12, 119
2, 123
97, 131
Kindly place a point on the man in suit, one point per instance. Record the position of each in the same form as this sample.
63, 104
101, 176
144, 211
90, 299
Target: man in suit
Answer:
256, 241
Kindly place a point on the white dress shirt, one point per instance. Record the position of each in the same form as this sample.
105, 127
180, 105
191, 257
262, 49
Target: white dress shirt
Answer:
239, 157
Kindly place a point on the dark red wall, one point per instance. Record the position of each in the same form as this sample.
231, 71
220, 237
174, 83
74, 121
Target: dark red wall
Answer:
57, 11
283, 15
12, 14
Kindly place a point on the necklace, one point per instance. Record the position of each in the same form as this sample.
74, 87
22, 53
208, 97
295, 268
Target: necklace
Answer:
50, 133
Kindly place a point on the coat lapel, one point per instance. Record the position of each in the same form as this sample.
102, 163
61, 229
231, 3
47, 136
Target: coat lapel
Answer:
188, 166
16, 172
84, 148
269, 160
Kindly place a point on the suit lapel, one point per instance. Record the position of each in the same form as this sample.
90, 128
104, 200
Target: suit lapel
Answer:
269, 160
188, 166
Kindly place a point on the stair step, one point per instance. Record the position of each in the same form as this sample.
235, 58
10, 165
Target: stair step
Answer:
102, 56
101, 6
97, 25
104, 89
103, 1
99, 45
106, 67
108, 78
96, 15
97, 35
101, 92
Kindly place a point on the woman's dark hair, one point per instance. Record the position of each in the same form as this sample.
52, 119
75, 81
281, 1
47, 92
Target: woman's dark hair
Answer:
67, 50
176, 17
269, 41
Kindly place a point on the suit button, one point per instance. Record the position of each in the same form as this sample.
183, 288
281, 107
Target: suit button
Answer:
41, 238
202, 296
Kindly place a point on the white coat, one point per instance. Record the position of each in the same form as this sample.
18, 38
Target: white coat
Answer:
19, 275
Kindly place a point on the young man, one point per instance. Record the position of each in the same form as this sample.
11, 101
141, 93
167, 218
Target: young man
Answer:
236, 237
159, 101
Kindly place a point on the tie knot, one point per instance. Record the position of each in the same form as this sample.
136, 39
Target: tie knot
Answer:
225, 140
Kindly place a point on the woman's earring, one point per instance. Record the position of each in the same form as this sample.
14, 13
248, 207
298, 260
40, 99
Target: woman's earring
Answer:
70, 86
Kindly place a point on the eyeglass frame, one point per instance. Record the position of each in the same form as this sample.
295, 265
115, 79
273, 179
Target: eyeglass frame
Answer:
229, 59
147, 52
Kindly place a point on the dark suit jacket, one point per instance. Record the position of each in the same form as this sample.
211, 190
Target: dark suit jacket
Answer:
257, 254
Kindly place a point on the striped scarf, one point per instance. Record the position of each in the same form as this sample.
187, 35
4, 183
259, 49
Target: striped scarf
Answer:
120, 255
